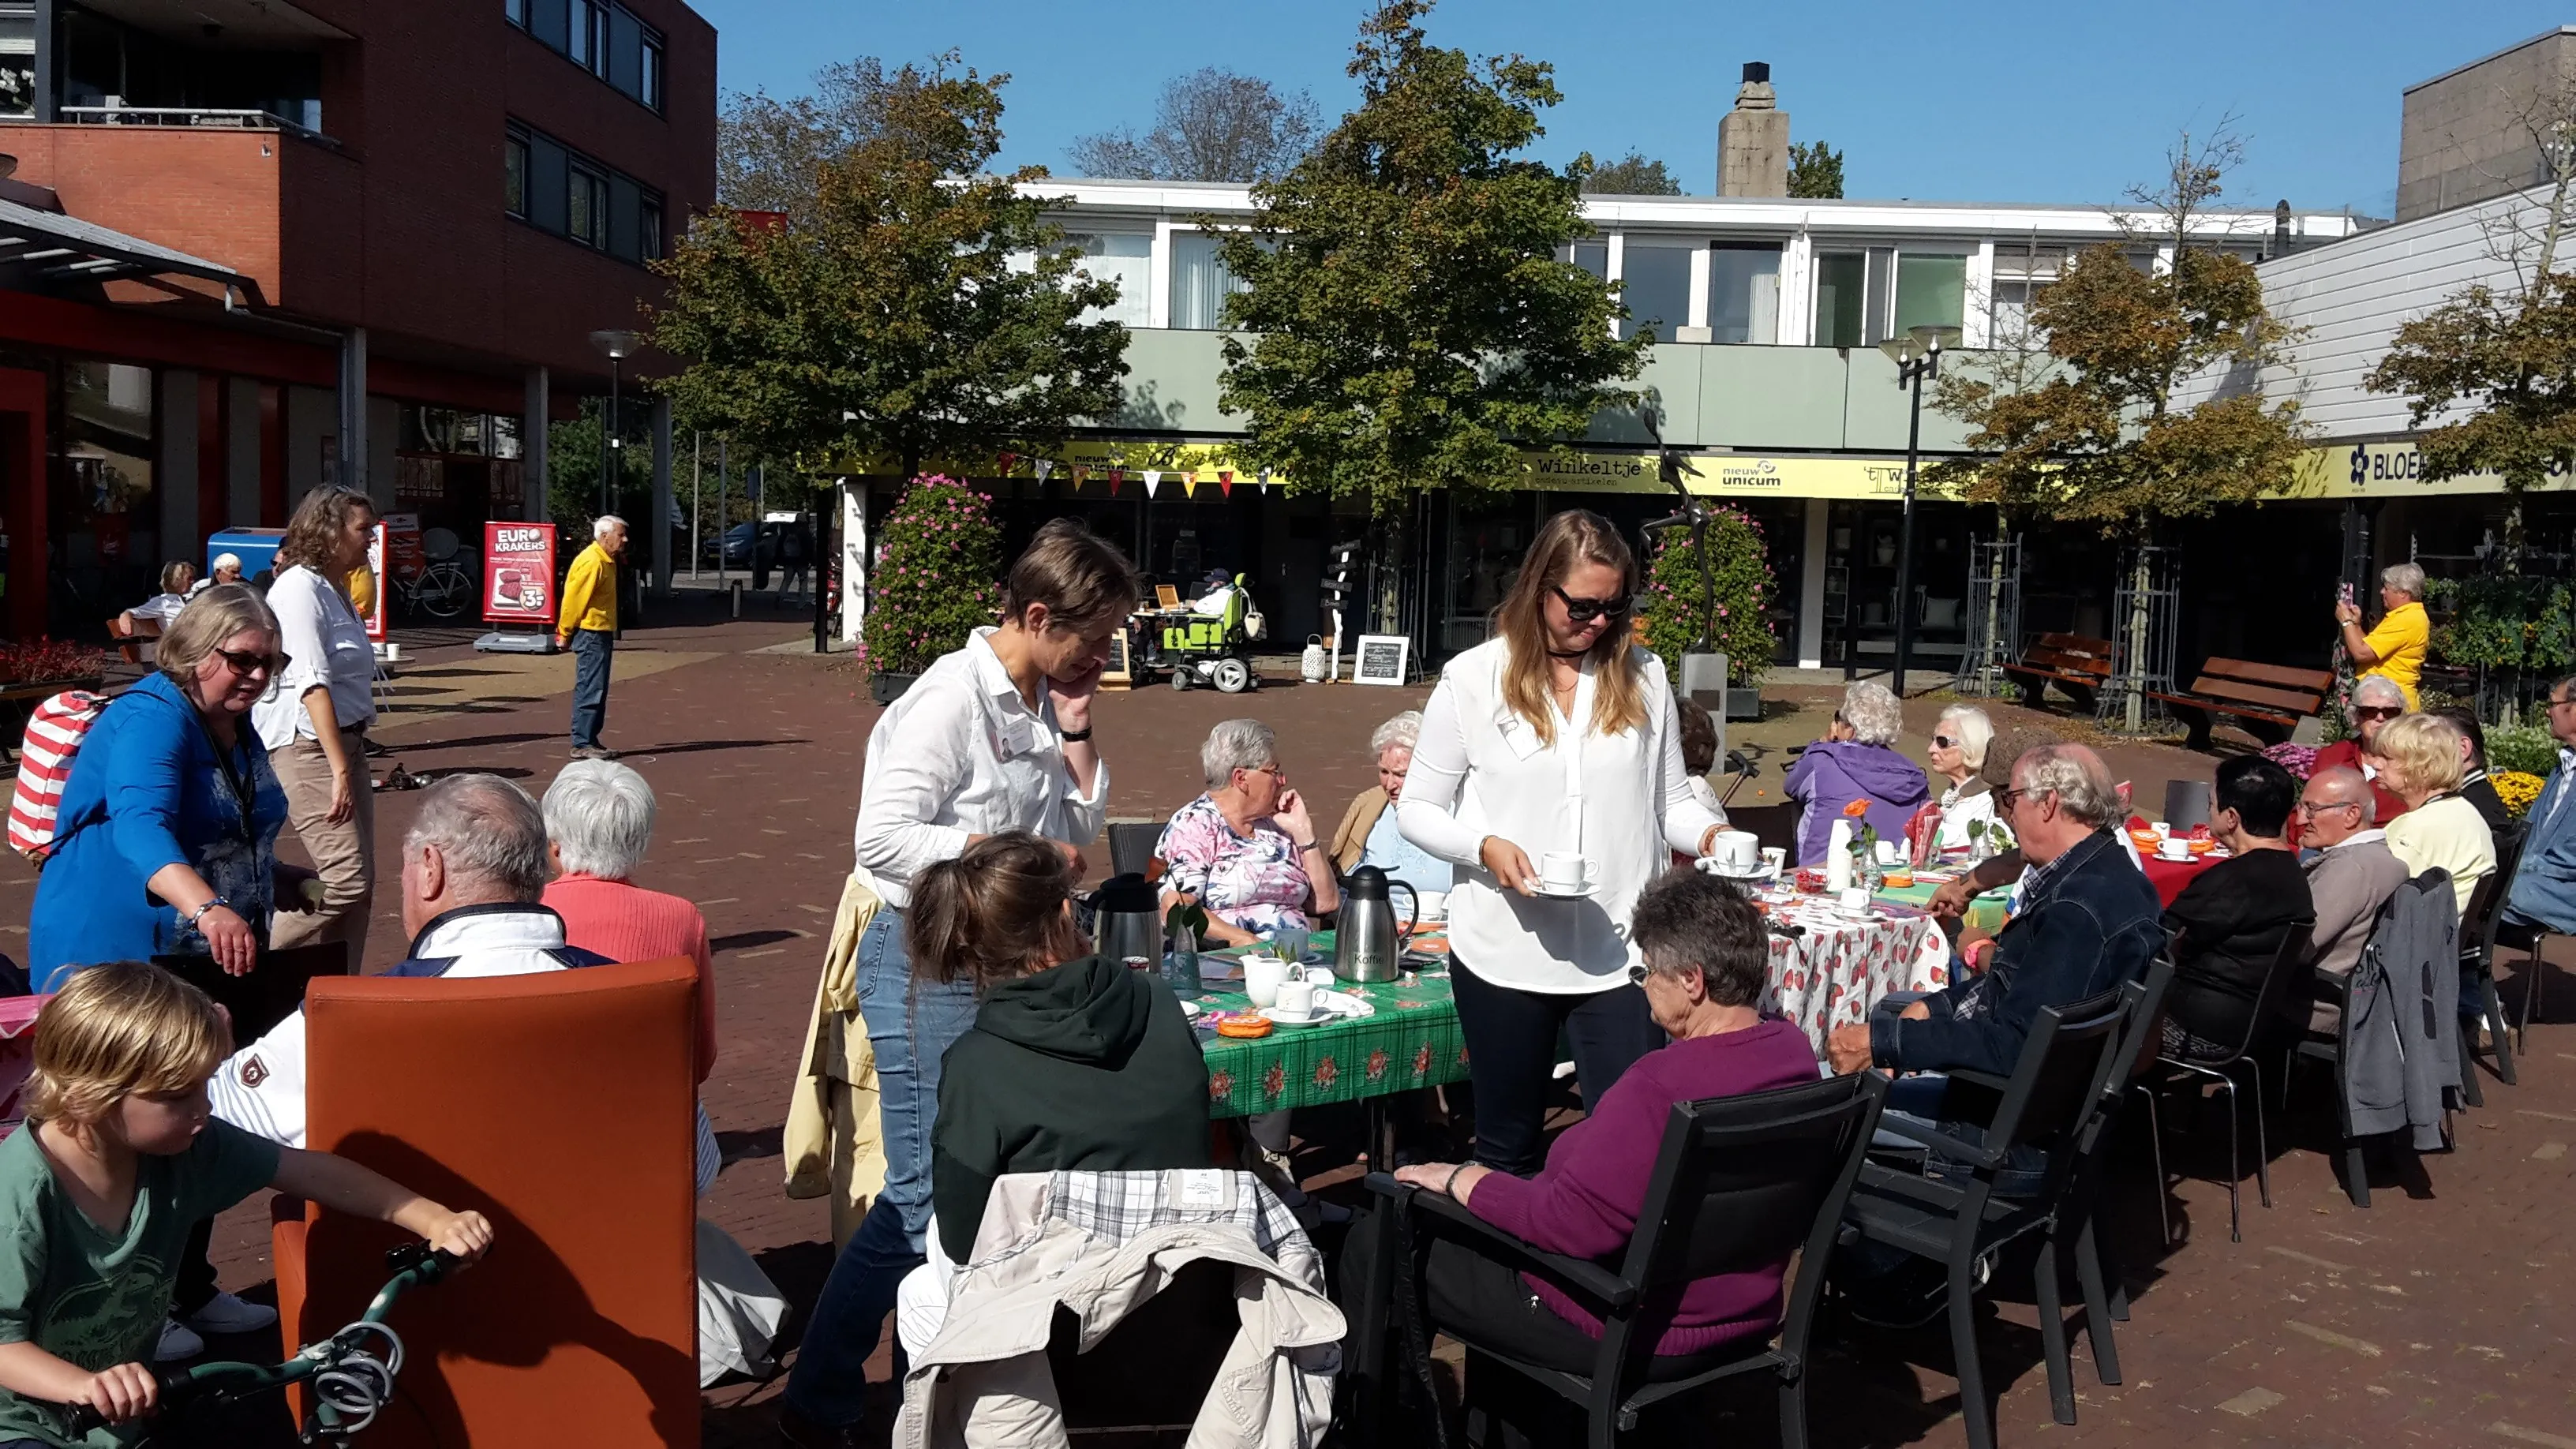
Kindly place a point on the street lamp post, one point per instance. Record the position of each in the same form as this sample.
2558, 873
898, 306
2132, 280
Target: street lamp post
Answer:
1917, 356
618, 345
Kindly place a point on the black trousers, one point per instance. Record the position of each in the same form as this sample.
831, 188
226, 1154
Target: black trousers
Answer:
1511, 1056
1464, 1288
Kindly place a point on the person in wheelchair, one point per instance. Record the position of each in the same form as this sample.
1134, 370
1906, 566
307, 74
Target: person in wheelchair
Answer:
1212, 640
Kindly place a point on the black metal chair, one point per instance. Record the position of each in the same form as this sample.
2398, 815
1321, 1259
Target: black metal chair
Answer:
1739, 1183
2289, 966
1957, 1218
2477, 962
1131, 846
2106, 1296
2336, 1051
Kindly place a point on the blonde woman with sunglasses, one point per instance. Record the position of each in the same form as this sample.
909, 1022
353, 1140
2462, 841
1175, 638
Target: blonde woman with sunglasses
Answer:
1554, 743
165, 843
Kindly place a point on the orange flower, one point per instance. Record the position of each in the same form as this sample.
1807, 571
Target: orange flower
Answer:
1856, 809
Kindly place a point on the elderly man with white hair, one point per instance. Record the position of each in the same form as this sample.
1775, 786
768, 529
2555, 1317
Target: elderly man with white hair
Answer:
2394, 651
1856, 761
587, 622
2352, 876
599, 823
2376, 699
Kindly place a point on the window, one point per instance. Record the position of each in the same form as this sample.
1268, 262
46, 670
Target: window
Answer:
1655, 282
1743, 293
584, 47
1200, 282
1126, 258
2011, 325
514, 174
517, 11
1841, 297
648, 230
1592, 256
17, 59
585, 206
1931, 291
652, 95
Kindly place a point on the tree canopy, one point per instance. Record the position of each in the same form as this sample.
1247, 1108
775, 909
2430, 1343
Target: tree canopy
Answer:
1631, 175
914, 309
1815, 171
1209, 125
1416, 327
768, 149
2511, 361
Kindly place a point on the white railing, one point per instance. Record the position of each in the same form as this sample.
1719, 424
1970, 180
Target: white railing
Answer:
207, 117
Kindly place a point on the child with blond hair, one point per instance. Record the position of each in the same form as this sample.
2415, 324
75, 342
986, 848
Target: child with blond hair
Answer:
119, 1158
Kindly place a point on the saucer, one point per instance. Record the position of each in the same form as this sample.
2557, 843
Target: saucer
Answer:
1276, 1017
1545, 891
1709, 865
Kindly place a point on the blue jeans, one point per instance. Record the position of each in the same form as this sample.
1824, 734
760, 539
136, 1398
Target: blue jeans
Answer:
910, 1027
591, 649
1919, 1097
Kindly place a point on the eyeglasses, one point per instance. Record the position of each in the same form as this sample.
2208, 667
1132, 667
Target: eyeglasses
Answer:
1944, 742
2313, 806
2377, 711
2006, 797
1584, 611
1637, 975
247, 664
2562, 703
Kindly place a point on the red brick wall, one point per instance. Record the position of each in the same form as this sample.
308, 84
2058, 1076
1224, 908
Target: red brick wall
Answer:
401, 231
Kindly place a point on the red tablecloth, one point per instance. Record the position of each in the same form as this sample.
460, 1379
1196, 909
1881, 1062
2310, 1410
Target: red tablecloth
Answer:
2170, 876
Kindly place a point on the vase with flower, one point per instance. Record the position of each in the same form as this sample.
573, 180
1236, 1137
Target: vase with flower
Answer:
1865, 867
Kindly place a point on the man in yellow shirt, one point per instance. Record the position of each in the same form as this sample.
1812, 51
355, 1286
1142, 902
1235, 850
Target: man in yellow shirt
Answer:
588, 622
2394, 650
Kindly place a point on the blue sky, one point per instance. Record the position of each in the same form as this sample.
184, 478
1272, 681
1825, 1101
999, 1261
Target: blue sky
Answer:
1995, 102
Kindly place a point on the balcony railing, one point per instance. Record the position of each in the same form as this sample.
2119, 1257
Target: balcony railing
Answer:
202, 117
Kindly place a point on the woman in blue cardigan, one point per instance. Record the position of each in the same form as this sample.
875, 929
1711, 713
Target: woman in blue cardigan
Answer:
165, 841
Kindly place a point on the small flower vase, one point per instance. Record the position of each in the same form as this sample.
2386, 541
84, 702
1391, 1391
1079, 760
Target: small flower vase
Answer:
1181, 963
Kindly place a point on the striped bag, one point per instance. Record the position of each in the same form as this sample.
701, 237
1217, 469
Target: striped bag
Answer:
54, 734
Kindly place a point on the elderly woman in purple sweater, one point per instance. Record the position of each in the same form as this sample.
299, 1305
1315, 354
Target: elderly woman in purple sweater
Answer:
1706, 955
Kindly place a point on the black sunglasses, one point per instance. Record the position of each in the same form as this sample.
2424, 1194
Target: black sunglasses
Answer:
247, 664
1584, 611
1636, 975
2377, 711
1944, 742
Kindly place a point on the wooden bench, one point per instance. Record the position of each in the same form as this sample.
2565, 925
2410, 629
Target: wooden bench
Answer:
2270, 699
2078, 666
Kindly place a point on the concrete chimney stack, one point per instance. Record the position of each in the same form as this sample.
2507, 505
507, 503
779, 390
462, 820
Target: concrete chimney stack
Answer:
1753, 139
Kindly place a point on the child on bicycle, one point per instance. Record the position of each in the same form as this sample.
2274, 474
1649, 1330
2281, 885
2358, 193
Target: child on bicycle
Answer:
118, 1159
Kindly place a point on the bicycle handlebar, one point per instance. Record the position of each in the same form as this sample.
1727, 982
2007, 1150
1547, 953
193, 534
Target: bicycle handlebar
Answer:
413, 1264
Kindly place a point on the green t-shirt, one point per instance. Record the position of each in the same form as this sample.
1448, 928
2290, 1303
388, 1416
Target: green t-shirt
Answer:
96, 1298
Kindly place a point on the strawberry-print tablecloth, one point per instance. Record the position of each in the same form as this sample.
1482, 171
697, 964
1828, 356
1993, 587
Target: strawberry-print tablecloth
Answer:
1839, 969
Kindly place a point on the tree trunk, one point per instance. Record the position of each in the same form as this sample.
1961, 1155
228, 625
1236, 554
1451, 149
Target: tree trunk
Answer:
2135, 706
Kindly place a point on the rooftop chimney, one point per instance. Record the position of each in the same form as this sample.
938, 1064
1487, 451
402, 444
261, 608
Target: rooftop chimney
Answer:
1753, 139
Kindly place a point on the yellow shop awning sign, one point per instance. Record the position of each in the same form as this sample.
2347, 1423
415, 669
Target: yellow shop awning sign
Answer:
2390, 470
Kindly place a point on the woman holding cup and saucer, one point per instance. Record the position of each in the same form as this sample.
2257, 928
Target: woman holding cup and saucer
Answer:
1549, 770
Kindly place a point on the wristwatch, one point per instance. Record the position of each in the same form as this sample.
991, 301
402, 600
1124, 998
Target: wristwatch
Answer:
195, 915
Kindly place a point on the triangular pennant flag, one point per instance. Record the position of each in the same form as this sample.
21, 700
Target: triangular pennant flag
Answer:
1190, 483
1265, 482
1225, 481
1116, 477
1153, 476
1009, 462
1046, 469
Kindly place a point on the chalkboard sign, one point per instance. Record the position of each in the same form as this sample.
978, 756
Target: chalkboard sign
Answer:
1380, 659
1115, 675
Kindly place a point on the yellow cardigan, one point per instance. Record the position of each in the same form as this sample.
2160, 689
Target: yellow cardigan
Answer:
589, 594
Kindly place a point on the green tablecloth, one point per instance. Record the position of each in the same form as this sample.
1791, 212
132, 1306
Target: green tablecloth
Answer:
1986, 912
1412, 1041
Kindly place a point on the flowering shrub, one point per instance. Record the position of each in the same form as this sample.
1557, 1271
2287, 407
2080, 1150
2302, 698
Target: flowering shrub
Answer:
1739, 587
2527, 748
2299, 760
937, 578
38, 660
2517, 790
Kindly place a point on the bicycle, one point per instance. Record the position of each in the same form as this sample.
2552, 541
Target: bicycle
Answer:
441, 590
350, 1383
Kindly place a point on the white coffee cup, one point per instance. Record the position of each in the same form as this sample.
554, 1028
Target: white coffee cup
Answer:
1775, 859
1564, 872
1296, 997
1887, 852
1262, 976
1736, 851
2160, 827
1855, 900
2173, 850
1434, 904
1320, 977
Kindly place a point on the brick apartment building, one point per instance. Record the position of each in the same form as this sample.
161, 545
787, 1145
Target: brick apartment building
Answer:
224, 223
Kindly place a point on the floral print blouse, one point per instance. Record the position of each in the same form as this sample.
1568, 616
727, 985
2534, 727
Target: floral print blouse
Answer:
1251, 882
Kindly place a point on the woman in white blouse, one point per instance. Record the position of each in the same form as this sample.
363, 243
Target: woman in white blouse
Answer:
1959, 742
1557, 736
313, 721
994, 736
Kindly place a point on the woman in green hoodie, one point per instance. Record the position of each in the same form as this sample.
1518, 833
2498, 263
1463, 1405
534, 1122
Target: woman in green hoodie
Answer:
1074, 1061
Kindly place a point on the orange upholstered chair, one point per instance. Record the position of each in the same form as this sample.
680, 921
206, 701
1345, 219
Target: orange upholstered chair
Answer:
560, 1106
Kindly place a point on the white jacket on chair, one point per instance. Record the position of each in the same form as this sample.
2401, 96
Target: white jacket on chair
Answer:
1100, 1244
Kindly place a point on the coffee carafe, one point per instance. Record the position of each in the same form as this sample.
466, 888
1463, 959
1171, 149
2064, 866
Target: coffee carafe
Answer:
1128, 922
1368, 945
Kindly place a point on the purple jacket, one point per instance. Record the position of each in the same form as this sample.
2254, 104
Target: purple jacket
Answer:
1584, 1203
1834, 773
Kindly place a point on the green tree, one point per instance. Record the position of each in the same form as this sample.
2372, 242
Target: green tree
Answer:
917, 309
572, 467
769, 147
1415, 327
1815, 171
2111, 436
1631, 175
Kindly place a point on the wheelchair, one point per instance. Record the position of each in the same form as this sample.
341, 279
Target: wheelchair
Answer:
1210, 648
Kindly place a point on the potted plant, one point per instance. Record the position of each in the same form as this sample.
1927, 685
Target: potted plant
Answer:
937, 578
1734, 605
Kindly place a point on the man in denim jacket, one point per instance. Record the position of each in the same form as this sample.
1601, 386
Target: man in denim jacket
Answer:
2089, 922
2543, 894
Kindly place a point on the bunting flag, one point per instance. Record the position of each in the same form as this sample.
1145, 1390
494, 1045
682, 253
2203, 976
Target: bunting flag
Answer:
1046, 469
1116, 477
1153, 476
1265, 482
1009, 462
1225, 481
1190, 483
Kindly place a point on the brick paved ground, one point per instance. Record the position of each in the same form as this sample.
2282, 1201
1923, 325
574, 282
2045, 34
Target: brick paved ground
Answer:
2431, 1318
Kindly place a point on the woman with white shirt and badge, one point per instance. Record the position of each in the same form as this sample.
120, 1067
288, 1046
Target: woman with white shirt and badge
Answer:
313, 721
1556, 738
993, 737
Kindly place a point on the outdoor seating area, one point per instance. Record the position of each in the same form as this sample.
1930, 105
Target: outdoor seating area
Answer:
2270, 701
2077, 665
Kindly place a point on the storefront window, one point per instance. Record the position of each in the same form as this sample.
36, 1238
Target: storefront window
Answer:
104, 523
17, 58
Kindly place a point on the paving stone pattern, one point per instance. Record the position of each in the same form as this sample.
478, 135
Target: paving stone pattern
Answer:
2435, 1317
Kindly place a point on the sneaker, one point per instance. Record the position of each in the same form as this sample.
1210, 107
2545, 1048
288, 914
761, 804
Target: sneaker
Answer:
177, 1343
225, 1313
592, 752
